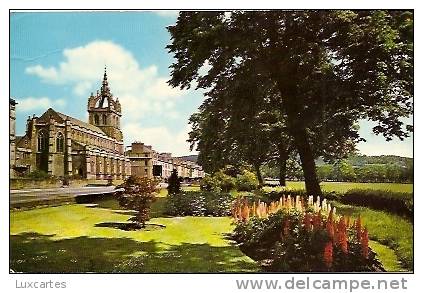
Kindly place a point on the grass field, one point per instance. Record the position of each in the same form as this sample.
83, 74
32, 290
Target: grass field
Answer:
345, 186
86, 238
390, 230
80, 238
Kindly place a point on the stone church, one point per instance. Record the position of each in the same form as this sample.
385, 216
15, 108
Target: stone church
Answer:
62, 145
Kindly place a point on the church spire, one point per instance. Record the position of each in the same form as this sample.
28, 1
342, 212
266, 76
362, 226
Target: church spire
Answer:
105, 90
105, 86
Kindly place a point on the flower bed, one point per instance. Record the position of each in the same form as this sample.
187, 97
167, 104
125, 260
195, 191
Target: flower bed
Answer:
291, 235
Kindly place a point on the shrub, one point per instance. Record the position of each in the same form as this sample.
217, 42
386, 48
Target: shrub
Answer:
289, 235
246, 181
226, 182
218, 182
394, 202
217, 204
138, 195
210, 183
185, 204
174, 183
38, 174
194, 203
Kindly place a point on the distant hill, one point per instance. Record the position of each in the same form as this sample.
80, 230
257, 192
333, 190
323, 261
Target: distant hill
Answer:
192, 158
361, 160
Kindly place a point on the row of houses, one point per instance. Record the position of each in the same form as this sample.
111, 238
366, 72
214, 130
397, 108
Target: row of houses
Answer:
146, 162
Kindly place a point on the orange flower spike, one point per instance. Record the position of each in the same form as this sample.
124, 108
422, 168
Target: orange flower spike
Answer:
330, 229
358, 228
307, 221
317, 221
328, 254
319, 218
365, 243
254, 209
246, 213
330, 217
342, 235
286, 227
241, 213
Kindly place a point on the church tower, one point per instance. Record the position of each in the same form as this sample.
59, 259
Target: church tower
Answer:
104, 111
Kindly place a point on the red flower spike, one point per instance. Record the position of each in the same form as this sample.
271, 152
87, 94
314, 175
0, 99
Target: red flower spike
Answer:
330, 229
328, 254
342, 235
365, 243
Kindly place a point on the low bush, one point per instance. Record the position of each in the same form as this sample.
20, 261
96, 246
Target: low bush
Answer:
394, 202
38, 174
210, 183
217, 204
246, 181
218, 182
290, 236
194, 203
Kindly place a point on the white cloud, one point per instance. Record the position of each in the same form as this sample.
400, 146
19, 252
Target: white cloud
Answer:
160, 138
31, 103
46, 74
166, 13
140, 90
378, 147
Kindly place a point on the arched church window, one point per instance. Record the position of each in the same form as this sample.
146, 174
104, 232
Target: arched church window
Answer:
60, 143
42, 141
104, 119
96, 120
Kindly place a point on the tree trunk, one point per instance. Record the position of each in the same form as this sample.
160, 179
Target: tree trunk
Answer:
283, 156
292, 106
307, 162
258, 172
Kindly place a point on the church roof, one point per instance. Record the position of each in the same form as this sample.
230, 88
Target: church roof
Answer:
81, 123
62, 117
22, 141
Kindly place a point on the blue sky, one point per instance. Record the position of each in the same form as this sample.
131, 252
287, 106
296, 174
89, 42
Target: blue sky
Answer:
57, 60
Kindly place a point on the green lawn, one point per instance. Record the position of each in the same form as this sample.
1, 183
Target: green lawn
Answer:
86, 238
390, 230
345, 186
79, 238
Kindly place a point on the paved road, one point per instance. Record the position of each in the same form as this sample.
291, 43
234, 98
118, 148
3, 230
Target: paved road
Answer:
35, 195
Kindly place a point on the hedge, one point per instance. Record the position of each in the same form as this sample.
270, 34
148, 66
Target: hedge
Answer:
399, 203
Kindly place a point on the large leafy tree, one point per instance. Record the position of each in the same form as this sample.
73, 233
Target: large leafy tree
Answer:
236, 131
335, 66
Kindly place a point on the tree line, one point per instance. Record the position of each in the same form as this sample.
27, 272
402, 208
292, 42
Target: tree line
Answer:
344, 171
285, 84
